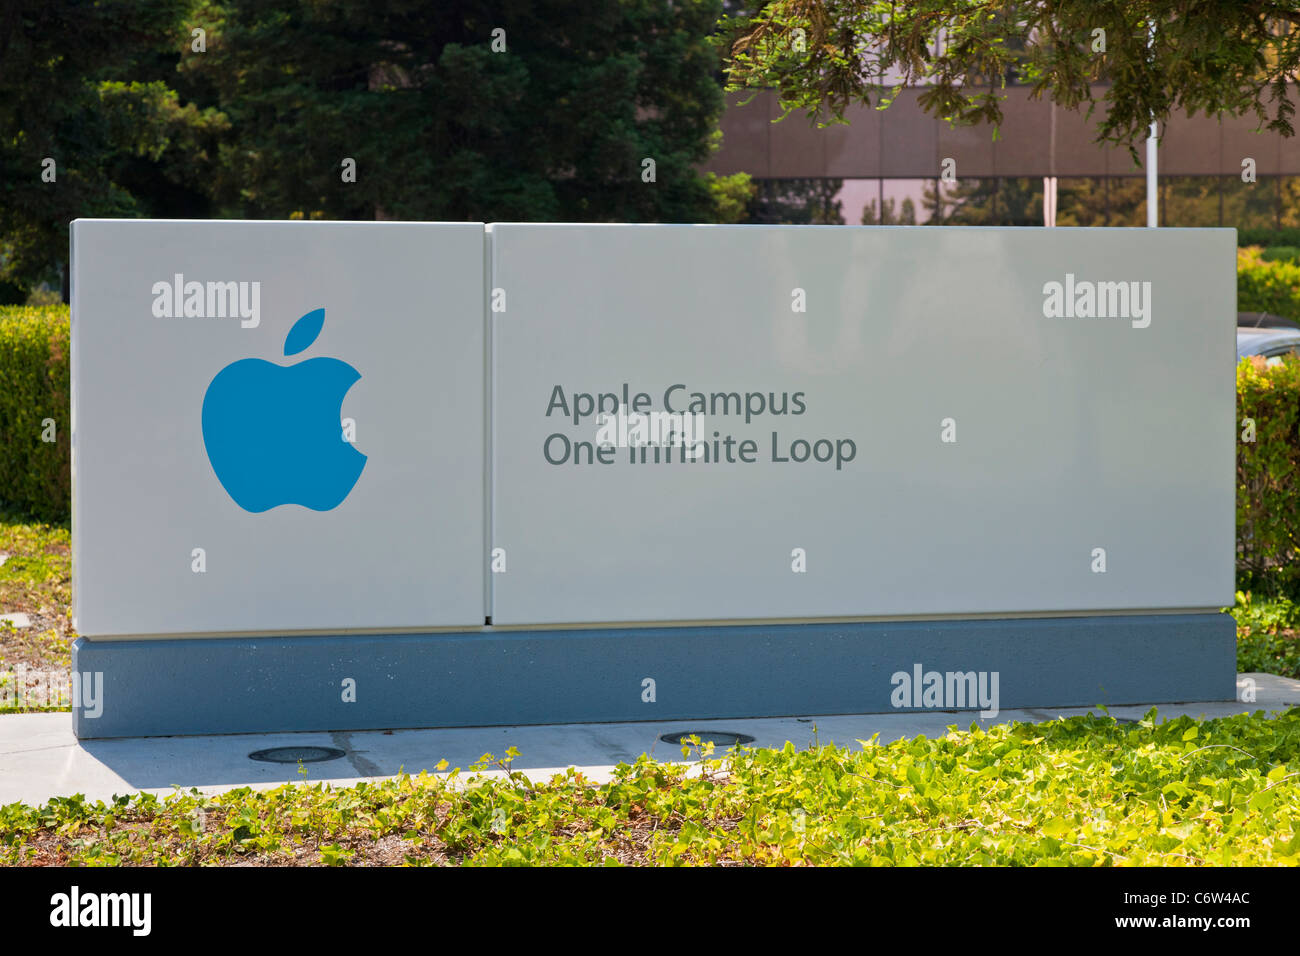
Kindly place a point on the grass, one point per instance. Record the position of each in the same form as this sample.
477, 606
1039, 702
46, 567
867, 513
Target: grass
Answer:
1086, 791
35, 579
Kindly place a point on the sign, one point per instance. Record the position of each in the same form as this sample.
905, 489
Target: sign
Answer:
278, 427
880, 423
377, 475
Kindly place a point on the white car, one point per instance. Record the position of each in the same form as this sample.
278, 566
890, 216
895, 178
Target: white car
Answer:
1259, 333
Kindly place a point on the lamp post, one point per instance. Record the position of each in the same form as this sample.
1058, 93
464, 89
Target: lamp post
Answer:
1153, 212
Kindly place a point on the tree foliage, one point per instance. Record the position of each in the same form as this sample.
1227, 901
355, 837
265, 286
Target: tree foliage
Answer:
1212, 56
797, 202
82, 86
464, 110
883, 213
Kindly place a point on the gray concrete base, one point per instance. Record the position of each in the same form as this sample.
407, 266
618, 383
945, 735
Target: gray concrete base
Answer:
494, 677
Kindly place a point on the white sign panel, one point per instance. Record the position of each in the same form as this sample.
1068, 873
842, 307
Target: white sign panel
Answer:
881, 422
277, 427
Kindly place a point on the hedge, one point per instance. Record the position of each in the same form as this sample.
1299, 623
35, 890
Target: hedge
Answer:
1268, 475
35, 414
1289, 236
1267, 286
1281, 254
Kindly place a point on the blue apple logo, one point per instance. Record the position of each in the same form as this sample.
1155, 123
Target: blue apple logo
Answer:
273, 432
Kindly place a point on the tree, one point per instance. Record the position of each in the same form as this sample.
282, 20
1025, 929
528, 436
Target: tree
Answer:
906, 216
88, 124
798, 202
731, 196
1232, 56
465, 109
1007, 201
1114, 201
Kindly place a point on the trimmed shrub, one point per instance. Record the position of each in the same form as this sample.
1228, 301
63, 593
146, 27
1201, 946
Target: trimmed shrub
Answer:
1268, 237
1267, 286
35, 474
11, 293
1268, 475
1280, 254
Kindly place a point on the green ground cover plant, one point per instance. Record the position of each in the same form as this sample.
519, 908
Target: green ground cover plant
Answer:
1084, 791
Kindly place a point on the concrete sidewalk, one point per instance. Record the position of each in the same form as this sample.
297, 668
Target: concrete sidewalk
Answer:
40, 758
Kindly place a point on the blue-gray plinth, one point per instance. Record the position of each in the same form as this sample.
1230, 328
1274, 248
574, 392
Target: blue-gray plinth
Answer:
493, 677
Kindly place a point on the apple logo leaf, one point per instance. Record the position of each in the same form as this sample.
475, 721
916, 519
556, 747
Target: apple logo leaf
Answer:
304, 332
